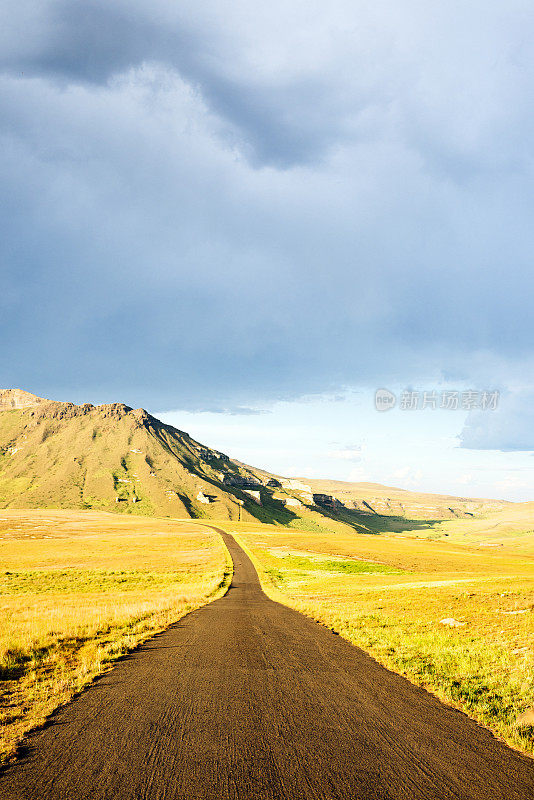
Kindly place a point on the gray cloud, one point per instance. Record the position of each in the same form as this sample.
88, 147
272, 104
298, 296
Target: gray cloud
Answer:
283, 118
296, 80
217, 210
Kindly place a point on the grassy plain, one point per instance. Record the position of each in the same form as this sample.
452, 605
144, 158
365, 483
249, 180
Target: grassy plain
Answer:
80, 589
388, 594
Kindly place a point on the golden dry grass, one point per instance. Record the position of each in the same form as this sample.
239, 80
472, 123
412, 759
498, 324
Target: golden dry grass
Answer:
79, 589
388, 595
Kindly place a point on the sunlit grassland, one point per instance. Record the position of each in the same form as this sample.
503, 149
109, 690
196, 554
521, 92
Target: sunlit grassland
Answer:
389, 594
80, 589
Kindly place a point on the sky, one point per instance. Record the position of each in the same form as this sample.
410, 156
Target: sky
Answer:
247, 217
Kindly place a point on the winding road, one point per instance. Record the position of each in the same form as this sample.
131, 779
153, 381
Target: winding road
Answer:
245, 698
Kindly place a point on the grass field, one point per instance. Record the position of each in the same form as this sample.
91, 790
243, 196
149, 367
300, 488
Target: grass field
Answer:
78, 590
388, 595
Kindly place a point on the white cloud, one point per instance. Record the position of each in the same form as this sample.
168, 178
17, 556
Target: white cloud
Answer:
466, 479
358, 475
347, 454
512, 484
510, 427
407, 477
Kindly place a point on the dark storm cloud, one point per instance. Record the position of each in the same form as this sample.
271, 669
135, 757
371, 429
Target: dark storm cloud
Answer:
281, 120
216, 209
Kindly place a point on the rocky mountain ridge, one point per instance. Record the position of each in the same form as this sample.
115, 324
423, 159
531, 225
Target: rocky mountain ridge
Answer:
13, 399
113, 457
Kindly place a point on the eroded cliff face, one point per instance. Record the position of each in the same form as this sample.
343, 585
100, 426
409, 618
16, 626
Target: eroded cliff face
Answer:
11, 399
19, 399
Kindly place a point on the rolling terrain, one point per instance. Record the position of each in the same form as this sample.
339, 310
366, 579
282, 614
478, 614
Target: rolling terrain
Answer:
373, 498
115, 458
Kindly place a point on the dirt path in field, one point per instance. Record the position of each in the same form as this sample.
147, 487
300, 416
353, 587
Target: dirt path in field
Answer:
247, 699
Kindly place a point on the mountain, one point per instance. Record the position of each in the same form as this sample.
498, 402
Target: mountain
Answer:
110, 457
378, 499
115, 458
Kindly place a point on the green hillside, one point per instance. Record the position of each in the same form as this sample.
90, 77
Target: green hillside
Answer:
114, 458
109, 457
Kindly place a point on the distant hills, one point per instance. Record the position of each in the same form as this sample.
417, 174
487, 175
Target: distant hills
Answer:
115, 458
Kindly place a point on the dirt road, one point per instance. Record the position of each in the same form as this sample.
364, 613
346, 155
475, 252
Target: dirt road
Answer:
247, 699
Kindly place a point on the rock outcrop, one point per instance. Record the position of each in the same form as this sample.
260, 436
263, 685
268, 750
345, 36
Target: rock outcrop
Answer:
11, 399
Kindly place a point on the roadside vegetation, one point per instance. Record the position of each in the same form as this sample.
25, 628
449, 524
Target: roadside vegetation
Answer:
454, 617
79, 590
